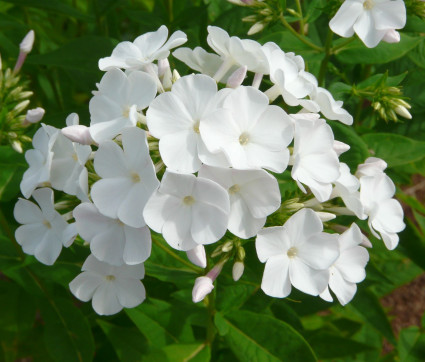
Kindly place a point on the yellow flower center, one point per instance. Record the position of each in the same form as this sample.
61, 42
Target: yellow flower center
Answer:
234, 189
368, 4
188, 200
135, 177
244, 139
47, 224
110, 278
196, 127
292, 252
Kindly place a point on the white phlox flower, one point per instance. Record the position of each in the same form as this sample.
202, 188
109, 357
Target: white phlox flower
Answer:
128, 178
297, 253
117, 103
236, 52
174, 117
35, 115
111, 240
315, 162
349, 268
76, 132
347, 187
251, 133
254, 194
144, 50
371, 20
331, 108
385, 213
44, 230
373, 166
39, 160
290, 79
111, 288
188, 211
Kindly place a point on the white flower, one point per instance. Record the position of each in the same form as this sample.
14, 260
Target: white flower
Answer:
39, 160
370, 19
174, 117
115, 106
251, 133
349, 268
188, 211
110, 240
44, 231
330, 108
128, 178
76, 132
315, 161
385, 213
347, 187
111, 288
34, 115
67, 170
203, 286
200, 60
236, 52
254, 194
297, 253
144, 50
288, 74
373, 166
197, 256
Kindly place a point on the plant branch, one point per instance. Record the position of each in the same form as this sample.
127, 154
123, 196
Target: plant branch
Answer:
325, 61
300, 11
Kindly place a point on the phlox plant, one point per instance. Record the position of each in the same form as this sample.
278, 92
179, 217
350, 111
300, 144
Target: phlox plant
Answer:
211, 184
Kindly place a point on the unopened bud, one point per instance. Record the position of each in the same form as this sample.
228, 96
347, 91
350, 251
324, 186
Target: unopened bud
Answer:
34, 115
237, 271
325, 216
237, 77
27, 42
391, 36
197, 256
176, 76
250, 19
79, 134
365, 242
256, 28
240, 255
203, 286
17, 146
340, 147
402, 111
227, 246
20, 107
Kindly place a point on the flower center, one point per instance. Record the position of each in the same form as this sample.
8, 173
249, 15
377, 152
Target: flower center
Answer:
368, 4
234, 189
75, 157
126, 111
292, 252
110, 278
196, 127
47, 224
188, 200
135, 177
244, 139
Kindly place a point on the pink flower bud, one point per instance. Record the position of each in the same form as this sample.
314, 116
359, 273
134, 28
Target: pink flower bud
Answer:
27, 42
197, 256
78, 133
203, 286
34, 115
391, 36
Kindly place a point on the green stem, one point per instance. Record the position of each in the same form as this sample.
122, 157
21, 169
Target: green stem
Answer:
300, 11
300, 37
325, 61
339, 47
210, 322
175, 256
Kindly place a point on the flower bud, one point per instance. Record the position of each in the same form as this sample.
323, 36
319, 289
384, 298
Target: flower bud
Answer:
391, 36
325, 216
34, 115
17, 146
256, 28
203, 286
176, 76
27, 42
237, 271
237, 77
227, 246
402, 111
78, 133
197, 256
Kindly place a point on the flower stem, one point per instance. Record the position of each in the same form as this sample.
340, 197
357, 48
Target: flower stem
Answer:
300, 37
300, 11
337, 48
210, 322
325, 61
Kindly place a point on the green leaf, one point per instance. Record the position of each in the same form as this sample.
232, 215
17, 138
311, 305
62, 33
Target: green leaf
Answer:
412, 244
368, 306
56, 6
12, 167
411, 345
67, 334
129, 344
357, 53
328, 345
395, 149
258, 337
181, 352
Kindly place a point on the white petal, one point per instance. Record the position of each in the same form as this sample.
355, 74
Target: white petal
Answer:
138, 245
319, 251
270, 242
130, 292
26, 212
109, 161
343, 21
306, 279
84, 285
343, 289
158, 209
275, 281
105, 300
209, 223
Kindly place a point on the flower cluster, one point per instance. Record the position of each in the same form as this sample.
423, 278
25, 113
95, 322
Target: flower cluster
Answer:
200, 159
